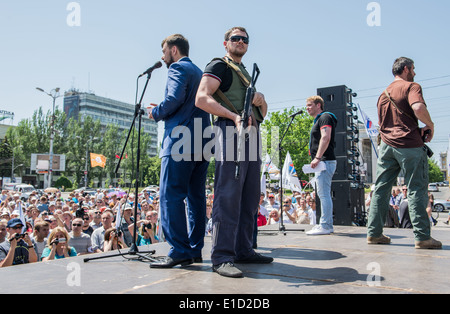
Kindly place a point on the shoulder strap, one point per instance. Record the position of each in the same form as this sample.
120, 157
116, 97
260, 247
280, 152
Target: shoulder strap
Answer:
220, 94
225, 99
238, 71
392, 102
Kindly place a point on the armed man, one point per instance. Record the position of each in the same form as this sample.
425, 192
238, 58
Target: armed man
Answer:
222, 93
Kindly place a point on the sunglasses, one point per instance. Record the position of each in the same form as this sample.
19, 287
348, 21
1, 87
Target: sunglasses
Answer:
77, 225
235, 39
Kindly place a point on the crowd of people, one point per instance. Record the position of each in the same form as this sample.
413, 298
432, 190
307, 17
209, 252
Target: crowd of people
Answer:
300, 208
57, 227
398, 215
53, 227
49, 226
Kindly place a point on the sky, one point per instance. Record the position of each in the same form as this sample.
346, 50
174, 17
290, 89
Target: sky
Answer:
102, 46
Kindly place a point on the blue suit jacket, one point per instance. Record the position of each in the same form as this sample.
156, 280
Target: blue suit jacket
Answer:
178, 109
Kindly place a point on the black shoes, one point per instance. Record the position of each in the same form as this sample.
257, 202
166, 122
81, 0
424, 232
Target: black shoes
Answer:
255, 259
169, 262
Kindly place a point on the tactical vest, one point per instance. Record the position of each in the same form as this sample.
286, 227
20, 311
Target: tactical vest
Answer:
236, 93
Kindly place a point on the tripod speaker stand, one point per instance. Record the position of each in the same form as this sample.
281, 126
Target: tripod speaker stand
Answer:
133, 250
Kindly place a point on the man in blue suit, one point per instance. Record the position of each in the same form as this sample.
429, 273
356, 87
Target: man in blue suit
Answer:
183, 168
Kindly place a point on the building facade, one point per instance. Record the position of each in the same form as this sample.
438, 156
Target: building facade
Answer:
109, 111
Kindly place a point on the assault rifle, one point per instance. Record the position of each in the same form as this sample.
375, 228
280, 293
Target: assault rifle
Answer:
246, 114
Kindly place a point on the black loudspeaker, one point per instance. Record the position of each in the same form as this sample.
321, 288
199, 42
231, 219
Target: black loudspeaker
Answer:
348, 204
347, 190
339, 101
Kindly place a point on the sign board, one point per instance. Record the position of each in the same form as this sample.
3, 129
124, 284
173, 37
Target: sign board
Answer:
39, 162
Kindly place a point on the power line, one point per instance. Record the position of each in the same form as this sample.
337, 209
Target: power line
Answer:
372, 88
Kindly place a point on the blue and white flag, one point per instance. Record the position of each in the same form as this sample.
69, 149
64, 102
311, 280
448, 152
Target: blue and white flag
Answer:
290, 177
370, 126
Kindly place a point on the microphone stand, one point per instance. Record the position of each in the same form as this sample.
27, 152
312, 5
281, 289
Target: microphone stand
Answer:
282, 228
138, 112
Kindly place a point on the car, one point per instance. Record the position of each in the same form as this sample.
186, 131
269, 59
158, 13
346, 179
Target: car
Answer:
432, 187
25, 190
441, 205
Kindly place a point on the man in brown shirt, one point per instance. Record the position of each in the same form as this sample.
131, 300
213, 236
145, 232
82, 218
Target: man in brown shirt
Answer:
400, 108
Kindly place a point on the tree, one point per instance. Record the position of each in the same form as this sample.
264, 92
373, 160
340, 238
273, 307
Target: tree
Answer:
434, 173
79, 138
296, 141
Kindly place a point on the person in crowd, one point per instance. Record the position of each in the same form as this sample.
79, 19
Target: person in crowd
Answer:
302, 212
42, 204
403, 210
96, 218
113, 240
18, 248
289, 211
3, 232
274, 217
41, 232
78, 239
58, 245
146, 234
98, 236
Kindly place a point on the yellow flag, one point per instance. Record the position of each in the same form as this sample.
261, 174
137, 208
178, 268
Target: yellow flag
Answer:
98, 160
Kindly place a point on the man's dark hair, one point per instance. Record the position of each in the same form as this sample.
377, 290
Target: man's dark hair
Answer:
228, 33
179, 41
399, 65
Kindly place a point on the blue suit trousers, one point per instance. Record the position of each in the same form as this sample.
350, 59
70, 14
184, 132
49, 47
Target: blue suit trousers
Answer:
183, 223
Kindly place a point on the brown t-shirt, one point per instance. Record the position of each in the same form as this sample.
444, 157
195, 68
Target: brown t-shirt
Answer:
397, 129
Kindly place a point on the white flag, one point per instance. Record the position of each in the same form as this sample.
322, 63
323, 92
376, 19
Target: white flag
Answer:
269, 167
118, 216
290, 177
21, 216
370, 127
263, 184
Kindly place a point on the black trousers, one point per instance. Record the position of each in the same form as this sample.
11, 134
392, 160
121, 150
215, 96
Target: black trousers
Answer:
236, 202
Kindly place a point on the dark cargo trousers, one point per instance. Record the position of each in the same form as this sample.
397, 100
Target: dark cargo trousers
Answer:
414, 163
236, 201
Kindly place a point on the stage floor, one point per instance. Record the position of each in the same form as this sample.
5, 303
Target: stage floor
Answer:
337, 263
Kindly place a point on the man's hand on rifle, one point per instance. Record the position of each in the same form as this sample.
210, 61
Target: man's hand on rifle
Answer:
237, 122
258, 99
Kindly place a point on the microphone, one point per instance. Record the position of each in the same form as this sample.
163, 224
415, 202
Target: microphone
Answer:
150, 69
295, 114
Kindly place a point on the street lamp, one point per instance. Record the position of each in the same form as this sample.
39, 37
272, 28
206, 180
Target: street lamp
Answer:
54, 93
91, 139
12, 162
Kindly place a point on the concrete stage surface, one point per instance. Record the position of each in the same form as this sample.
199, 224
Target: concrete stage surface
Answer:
339, 263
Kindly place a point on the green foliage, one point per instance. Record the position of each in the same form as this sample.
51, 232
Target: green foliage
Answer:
434, 173
296, 140
77, 138
63, 181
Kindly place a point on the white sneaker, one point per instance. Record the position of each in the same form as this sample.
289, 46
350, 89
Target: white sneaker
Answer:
319, 230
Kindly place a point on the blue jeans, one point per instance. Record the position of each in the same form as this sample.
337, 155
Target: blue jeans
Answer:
323, 181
